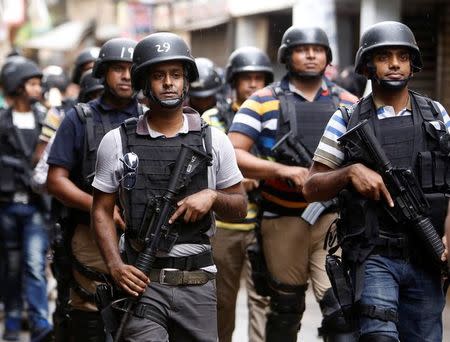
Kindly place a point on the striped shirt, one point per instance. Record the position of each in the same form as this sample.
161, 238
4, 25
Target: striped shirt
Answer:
331, 154
258, 117
213, 118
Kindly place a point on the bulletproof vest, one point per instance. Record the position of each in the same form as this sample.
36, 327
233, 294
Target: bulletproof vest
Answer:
94, 134
408, 144
226, 114
307, 120
157, 156
17, 148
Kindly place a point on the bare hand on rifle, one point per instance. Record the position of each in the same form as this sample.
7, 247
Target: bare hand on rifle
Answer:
129, 278
293, 174
195, 206
369, 183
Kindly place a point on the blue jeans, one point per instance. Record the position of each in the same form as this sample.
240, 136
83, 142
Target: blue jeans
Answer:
25, 243
414, 293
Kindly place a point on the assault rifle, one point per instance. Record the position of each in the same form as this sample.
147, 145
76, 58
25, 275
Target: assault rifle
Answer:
410, 204
20, 165
291, 151
158, 234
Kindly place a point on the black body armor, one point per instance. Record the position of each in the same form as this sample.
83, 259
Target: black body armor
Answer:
311, 118
408, 143
156, 157
17, 149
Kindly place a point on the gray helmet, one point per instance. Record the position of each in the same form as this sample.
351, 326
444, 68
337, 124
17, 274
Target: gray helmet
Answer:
114, 50
303, 36
248, 59
208, 82
388, 33
15, 73
88, 55
157, 48
54, 77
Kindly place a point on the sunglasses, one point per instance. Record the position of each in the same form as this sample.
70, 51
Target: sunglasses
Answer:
130, 164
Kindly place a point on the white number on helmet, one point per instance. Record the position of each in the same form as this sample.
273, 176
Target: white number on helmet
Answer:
129, 51
165, 47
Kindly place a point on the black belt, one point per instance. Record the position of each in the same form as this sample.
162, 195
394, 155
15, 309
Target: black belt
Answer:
177, 277
187, 263
396, 248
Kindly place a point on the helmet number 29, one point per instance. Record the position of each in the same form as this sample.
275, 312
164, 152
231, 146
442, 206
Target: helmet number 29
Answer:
165, 47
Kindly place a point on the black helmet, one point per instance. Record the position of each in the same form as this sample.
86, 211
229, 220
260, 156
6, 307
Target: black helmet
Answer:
9, 60
16, 73
114, 50
248, 59
88, 55
88, 85
208, 83
54, 77
388, 33
161, 47
302, 36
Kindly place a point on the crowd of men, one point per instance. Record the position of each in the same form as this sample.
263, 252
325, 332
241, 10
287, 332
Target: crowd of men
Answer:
167, 182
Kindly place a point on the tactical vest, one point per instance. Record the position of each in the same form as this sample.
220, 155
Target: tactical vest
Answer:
17, 148
408, 144
94, 134
156, 158
306, 119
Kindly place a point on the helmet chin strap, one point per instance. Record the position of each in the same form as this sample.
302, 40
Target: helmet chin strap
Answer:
169, 103
303, 75
392, 84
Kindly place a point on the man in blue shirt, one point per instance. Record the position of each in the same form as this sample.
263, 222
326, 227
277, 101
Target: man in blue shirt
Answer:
72, 164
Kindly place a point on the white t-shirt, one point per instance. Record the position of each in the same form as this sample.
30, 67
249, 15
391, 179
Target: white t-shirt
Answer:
23, 120
223, 173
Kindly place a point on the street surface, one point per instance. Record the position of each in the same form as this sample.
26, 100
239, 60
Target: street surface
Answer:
310, 322
311, 319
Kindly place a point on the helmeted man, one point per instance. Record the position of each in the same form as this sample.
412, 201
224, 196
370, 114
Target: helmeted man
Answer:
72, 163
248, 69
23, 233
285, 121
84, 61
396, 279
203, 91
176, 299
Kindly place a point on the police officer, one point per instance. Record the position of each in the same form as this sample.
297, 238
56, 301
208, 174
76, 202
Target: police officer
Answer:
398, 290
203, 91
178, 296
72, 162
23, 234
90, 87
278, 119
248, 69
84, 61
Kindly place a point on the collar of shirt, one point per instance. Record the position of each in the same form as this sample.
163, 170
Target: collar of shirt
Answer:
143, 127
235, 107
131, 109
385, 111
323, 90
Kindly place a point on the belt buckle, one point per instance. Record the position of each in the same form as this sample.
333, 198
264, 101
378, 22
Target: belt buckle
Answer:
162, 275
